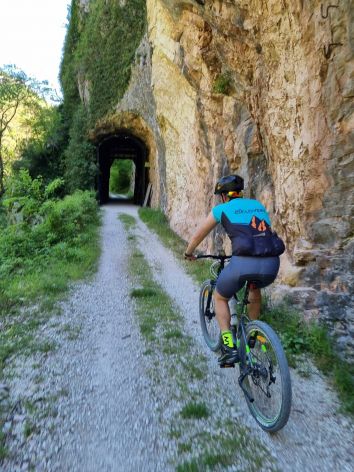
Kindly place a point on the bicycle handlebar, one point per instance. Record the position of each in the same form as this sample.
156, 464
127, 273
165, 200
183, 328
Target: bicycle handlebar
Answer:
213, 256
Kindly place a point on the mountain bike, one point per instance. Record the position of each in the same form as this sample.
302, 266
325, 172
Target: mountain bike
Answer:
264, 373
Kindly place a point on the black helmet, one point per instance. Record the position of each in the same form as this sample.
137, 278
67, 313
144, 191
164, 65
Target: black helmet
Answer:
229, 183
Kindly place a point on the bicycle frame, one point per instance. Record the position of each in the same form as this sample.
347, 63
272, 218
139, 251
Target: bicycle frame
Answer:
261, 357
237, 329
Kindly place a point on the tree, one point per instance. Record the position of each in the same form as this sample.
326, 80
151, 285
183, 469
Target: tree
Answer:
17, 89
42, 153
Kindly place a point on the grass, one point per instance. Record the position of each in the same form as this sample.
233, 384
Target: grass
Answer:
127, 220
72, 332
300, 338
224, 449
157, 222
29, 429
297, 336
143, 293
195, 410
43, 286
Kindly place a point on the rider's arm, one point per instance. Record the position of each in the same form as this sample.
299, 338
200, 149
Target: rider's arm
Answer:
204, 229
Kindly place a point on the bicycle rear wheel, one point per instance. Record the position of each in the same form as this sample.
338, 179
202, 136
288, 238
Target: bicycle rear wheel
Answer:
208, 323
268, 382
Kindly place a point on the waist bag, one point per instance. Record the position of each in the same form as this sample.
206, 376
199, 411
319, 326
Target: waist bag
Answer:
258, 240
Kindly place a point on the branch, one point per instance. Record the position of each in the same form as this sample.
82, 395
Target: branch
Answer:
8, 121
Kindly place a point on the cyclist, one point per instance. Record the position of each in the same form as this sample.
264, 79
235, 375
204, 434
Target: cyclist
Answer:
255, 253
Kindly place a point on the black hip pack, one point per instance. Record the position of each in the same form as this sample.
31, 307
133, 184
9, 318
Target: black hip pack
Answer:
257, 239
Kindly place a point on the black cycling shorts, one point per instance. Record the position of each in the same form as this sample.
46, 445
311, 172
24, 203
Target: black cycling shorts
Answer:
262, 270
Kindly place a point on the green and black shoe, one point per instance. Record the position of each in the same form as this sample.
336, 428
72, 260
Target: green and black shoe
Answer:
229, 356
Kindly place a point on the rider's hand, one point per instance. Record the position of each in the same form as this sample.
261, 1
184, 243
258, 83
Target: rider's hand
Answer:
190, 257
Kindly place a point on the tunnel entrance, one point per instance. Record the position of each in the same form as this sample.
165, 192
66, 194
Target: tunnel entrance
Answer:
125, 146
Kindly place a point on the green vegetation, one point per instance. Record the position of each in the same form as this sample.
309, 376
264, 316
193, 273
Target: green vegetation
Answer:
223, 448
47, 242
41, 153
20, 96
80, 155
29, 429
143, 292
3, 450
223, 84
157, 222
195, 410
297, 336
108, 38
128, 221
99, 50
300, 338
121, 175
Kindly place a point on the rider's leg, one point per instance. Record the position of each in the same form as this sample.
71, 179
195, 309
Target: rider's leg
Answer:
254, 307
222, 311
229, 353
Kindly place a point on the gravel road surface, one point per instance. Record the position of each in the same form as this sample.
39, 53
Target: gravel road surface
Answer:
92, 399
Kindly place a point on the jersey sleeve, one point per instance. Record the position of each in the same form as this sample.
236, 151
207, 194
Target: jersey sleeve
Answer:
217, 212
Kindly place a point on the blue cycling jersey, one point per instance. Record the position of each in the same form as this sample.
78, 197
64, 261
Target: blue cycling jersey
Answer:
241, 211
247, 223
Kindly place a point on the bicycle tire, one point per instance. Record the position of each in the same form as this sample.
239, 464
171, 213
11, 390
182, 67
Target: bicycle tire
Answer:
267, 350
209, 325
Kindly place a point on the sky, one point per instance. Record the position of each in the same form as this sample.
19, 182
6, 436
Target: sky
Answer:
32, 35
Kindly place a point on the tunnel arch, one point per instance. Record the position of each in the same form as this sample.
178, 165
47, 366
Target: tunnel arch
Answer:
141, 135
122, 144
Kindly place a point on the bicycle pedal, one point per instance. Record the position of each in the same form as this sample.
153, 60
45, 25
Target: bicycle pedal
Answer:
226, 366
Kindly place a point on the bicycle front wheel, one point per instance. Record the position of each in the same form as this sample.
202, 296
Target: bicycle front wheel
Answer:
208, 323
268, 381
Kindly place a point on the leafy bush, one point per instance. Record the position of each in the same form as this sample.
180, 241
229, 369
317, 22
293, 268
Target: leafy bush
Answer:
37, 220
66, 218
42, 154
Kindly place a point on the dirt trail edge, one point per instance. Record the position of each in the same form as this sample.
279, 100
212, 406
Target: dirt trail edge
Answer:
88, 405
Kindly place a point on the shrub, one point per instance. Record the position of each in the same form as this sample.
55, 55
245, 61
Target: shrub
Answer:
223, 84
66, 218
36, 222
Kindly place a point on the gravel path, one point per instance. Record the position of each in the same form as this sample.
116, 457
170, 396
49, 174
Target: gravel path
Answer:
94, 388
95, 404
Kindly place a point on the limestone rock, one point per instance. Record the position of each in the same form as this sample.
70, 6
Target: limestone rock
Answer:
263, 89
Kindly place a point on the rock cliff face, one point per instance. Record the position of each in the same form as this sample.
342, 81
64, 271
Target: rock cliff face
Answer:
263, 89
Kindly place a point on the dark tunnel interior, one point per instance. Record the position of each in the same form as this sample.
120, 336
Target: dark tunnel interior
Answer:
122, 145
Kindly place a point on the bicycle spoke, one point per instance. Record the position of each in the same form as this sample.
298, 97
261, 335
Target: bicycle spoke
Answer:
262, 381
